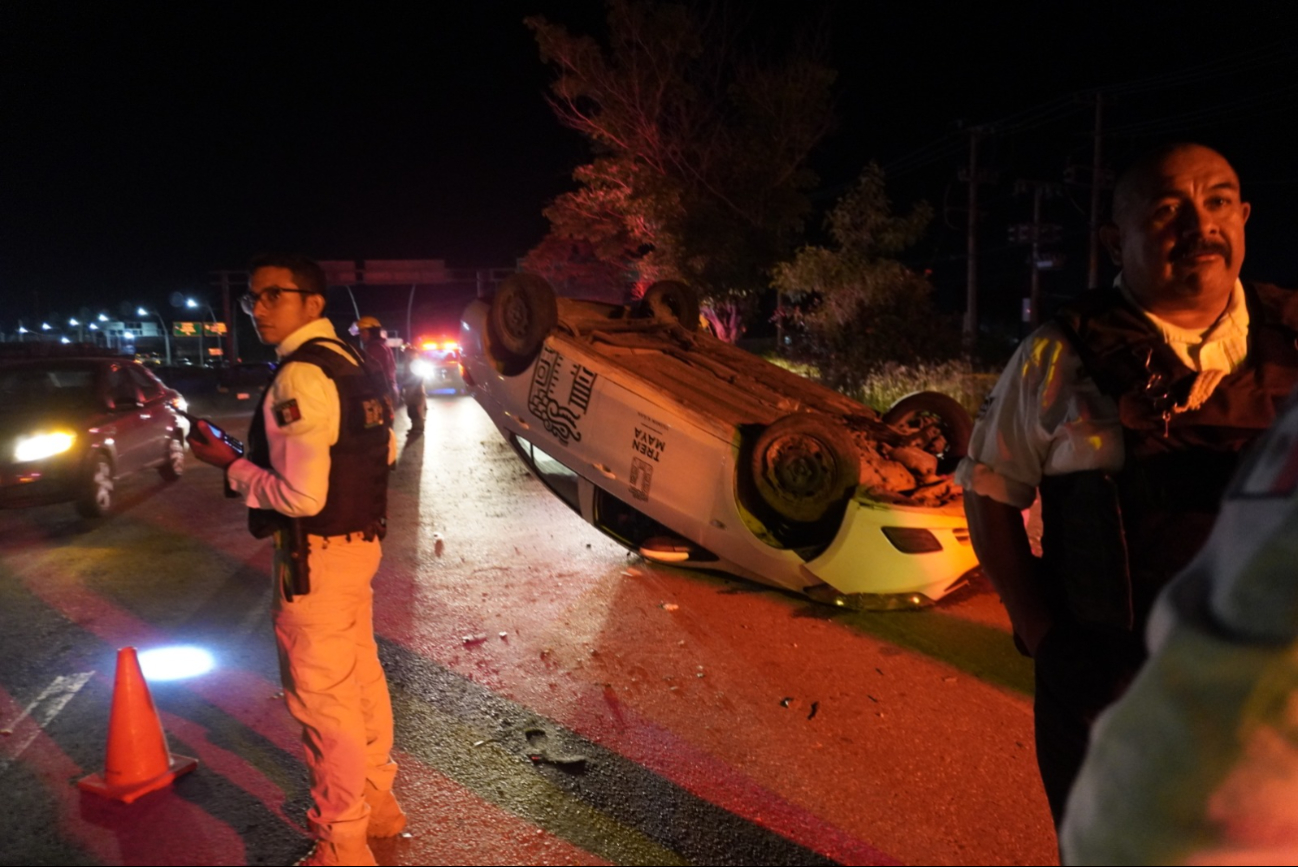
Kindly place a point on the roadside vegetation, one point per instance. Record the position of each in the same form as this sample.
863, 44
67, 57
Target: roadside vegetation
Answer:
699, 131
891, 382
699, 173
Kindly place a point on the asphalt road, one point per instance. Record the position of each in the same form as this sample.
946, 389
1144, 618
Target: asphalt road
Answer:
558, 699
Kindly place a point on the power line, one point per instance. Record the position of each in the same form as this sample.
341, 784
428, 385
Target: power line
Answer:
949, 144
1250, 106
1264, 55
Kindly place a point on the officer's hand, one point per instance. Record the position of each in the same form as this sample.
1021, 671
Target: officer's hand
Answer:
208, 447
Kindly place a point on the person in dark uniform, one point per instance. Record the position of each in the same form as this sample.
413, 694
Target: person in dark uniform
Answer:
412, 392
315, 478
374, 340
1127, 413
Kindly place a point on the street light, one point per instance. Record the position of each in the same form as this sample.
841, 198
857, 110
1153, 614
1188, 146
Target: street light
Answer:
166, 335
194, 305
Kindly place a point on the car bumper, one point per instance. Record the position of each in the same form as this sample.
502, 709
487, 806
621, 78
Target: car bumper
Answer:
888, 556
37, 483
445, 379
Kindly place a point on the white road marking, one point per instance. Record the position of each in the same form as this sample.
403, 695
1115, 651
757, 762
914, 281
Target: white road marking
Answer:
46, 707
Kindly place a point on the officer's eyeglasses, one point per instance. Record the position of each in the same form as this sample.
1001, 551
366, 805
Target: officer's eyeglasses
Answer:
249, 300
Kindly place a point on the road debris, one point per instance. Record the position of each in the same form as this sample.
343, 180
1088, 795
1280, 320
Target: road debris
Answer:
668, 606
474, 639
815, 707
540, 749
438, 545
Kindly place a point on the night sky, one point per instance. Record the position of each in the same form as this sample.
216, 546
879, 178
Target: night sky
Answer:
146, 145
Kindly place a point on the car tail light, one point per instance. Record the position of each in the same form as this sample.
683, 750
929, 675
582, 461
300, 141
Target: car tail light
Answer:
961, 535
912, 540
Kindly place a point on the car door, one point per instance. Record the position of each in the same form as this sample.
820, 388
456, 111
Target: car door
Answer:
155, 418
130, 431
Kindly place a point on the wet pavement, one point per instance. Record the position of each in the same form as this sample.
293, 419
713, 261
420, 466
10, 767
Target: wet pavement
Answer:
558, 699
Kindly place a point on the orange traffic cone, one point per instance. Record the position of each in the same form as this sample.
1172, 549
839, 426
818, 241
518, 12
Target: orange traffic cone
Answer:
138, 759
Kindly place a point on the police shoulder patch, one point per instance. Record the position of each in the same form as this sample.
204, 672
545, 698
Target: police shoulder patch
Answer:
373, 412
287, 412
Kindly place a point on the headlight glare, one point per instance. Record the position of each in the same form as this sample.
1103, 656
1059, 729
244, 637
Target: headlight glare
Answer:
42, 445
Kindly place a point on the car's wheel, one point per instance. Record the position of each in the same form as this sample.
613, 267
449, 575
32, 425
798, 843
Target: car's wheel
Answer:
916, 411
671, 299
523, 311
96, 496
174, 466
804, 465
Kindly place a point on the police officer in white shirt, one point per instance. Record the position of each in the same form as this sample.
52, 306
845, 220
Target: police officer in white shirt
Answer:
315, 478
1127, 413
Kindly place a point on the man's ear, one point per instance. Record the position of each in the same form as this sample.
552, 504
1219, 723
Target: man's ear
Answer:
315, 303
1111, 238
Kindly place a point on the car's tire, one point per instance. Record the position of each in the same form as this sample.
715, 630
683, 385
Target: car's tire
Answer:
804, 466
95, 498
523, 312
671, 299
914, 411
174, 466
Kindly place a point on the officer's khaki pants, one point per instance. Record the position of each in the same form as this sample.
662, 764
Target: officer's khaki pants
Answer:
334, 685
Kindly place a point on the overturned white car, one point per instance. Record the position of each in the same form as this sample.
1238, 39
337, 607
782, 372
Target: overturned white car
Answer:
691, 451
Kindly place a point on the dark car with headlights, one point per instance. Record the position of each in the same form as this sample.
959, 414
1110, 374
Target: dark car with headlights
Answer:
70, 428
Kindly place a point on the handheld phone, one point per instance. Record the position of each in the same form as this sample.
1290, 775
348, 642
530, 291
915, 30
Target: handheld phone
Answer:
197, 431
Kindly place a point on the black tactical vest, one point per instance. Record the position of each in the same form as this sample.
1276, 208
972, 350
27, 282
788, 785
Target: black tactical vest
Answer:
358, 462
1110, 542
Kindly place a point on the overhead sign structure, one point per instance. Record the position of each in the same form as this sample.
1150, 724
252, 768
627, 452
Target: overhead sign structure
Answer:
214, 329
184, 329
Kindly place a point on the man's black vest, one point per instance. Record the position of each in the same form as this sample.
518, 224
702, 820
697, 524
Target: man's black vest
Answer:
1110, 542
358, 461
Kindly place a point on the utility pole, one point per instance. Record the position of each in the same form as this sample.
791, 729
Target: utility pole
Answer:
973, 176
1097, 167
1037, 233
227, 313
